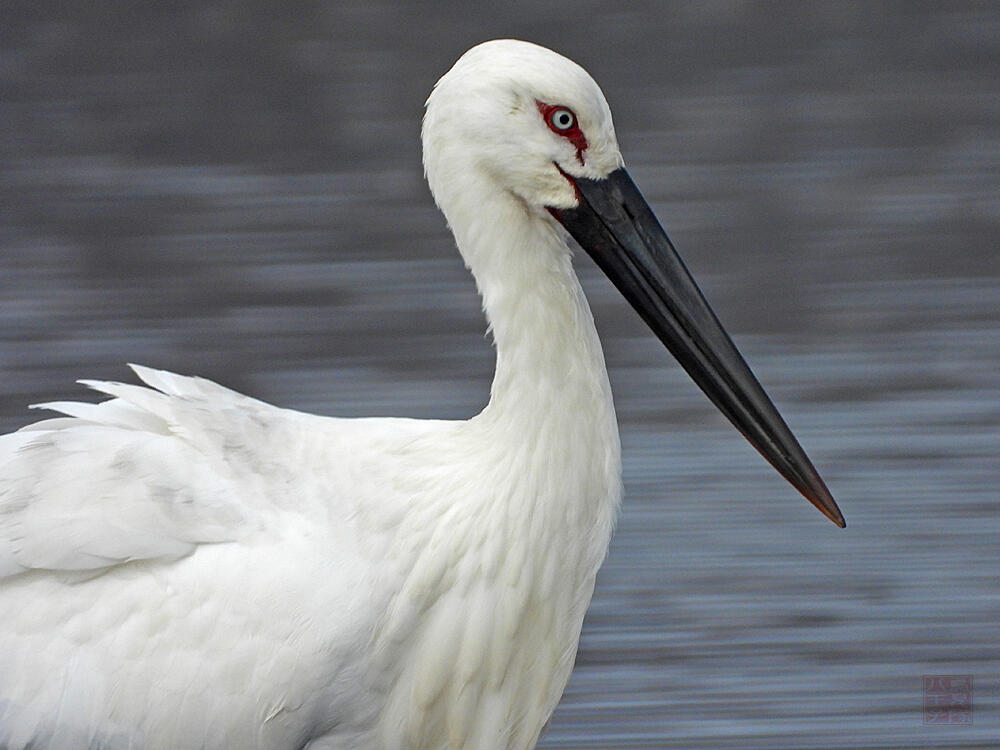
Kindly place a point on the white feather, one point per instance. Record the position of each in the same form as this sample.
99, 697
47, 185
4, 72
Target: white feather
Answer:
186, 567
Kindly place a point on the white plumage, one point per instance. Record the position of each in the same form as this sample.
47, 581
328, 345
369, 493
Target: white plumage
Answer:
185, 567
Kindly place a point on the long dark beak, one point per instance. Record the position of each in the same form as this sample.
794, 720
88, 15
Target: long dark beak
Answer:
615, 225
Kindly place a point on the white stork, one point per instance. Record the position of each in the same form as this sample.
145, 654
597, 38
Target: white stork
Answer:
183, 567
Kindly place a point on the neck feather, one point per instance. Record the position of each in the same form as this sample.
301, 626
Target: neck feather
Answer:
548, 353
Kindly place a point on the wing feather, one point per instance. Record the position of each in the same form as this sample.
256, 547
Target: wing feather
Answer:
147, 475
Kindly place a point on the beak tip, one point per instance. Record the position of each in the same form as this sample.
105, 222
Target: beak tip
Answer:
828, 507
814, 489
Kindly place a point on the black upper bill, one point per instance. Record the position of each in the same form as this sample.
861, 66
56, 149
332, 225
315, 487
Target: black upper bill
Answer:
615, 225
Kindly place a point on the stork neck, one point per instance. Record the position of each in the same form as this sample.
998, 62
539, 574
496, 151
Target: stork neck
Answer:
548, 353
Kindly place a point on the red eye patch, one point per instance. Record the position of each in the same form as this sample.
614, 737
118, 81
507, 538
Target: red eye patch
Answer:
563, 122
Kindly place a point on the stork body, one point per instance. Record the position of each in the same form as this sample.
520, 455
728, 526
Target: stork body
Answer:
185, 567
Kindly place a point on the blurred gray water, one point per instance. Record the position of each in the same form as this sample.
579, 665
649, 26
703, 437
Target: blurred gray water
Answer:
234, 189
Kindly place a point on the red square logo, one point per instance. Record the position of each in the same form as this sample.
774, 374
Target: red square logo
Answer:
947, 699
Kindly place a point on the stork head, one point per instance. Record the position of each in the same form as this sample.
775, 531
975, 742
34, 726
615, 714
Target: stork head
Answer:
524, 120
522, 116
